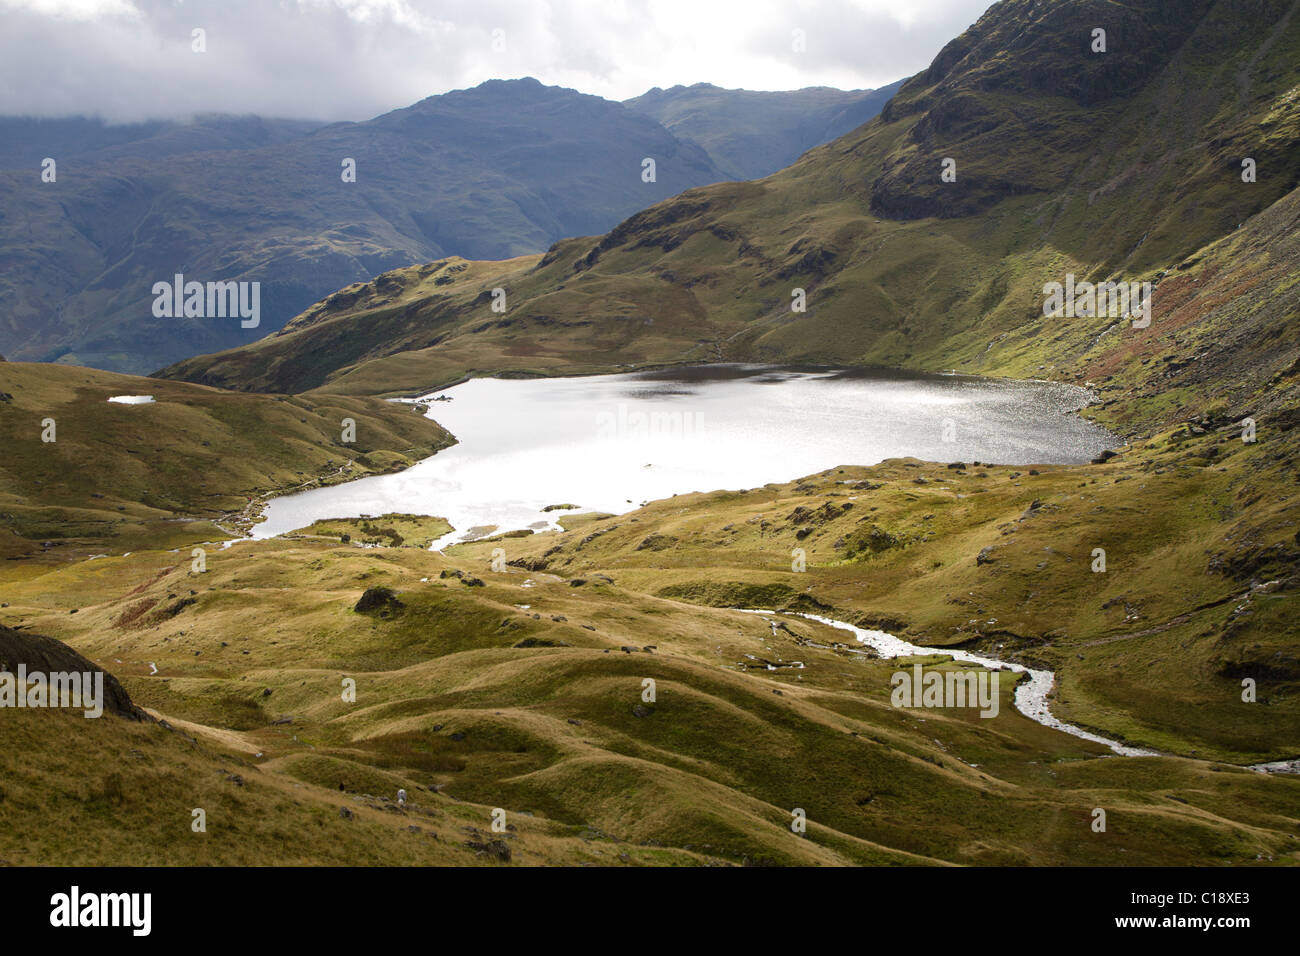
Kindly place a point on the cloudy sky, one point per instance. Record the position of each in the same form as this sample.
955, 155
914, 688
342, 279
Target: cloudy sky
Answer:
352, 59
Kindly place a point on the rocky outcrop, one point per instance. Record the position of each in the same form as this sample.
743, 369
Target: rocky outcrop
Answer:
378, 599
40, 654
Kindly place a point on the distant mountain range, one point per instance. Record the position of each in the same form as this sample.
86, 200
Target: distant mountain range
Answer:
750, 135
504, 169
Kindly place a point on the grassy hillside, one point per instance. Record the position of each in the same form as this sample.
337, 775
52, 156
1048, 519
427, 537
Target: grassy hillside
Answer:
190, 467
524, 692
120, 791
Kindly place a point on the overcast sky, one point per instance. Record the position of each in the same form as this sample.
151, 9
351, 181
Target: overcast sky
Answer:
352, 59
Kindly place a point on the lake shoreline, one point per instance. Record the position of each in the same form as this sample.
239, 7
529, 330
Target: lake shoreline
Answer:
628, 424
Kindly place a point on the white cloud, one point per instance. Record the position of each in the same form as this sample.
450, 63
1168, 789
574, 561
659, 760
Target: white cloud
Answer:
351, 59
73, 9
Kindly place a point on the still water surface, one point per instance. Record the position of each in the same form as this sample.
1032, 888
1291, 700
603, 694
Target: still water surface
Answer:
611, 442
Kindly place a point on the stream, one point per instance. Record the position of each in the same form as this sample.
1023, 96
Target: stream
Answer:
1031, 695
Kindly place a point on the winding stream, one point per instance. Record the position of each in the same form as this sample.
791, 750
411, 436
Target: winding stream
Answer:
1031, 695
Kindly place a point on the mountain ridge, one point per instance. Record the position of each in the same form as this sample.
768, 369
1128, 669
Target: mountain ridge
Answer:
709, 274
744, 145
497, 170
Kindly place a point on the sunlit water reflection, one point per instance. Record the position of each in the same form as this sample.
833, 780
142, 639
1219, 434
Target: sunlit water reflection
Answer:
611, 442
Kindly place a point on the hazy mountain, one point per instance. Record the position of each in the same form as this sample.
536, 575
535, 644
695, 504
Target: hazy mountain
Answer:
504, 169
500, 170
25, 141
751, 134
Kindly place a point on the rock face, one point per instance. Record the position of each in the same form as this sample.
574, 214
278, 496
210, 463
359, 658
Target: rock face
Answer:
46, 655
378, 599
957, 117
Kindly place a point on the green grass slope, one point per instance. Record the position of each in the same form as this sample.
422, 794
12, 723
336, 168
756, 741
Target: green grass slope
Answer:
519, 691
125, 476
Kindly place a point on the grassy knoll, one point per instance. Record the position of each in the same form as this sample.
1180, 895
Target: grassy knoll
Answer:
133, 805
121, 477
391, 530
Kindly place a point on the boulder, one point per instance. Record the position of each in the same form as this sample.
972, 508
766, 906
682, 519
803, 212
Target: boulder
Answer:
378, 599
46, 655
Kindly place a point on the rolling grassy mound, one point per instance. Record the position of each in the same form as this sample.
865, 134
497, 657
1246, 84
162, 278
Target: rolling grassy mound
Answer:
128, 476
114, 792
521, 691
